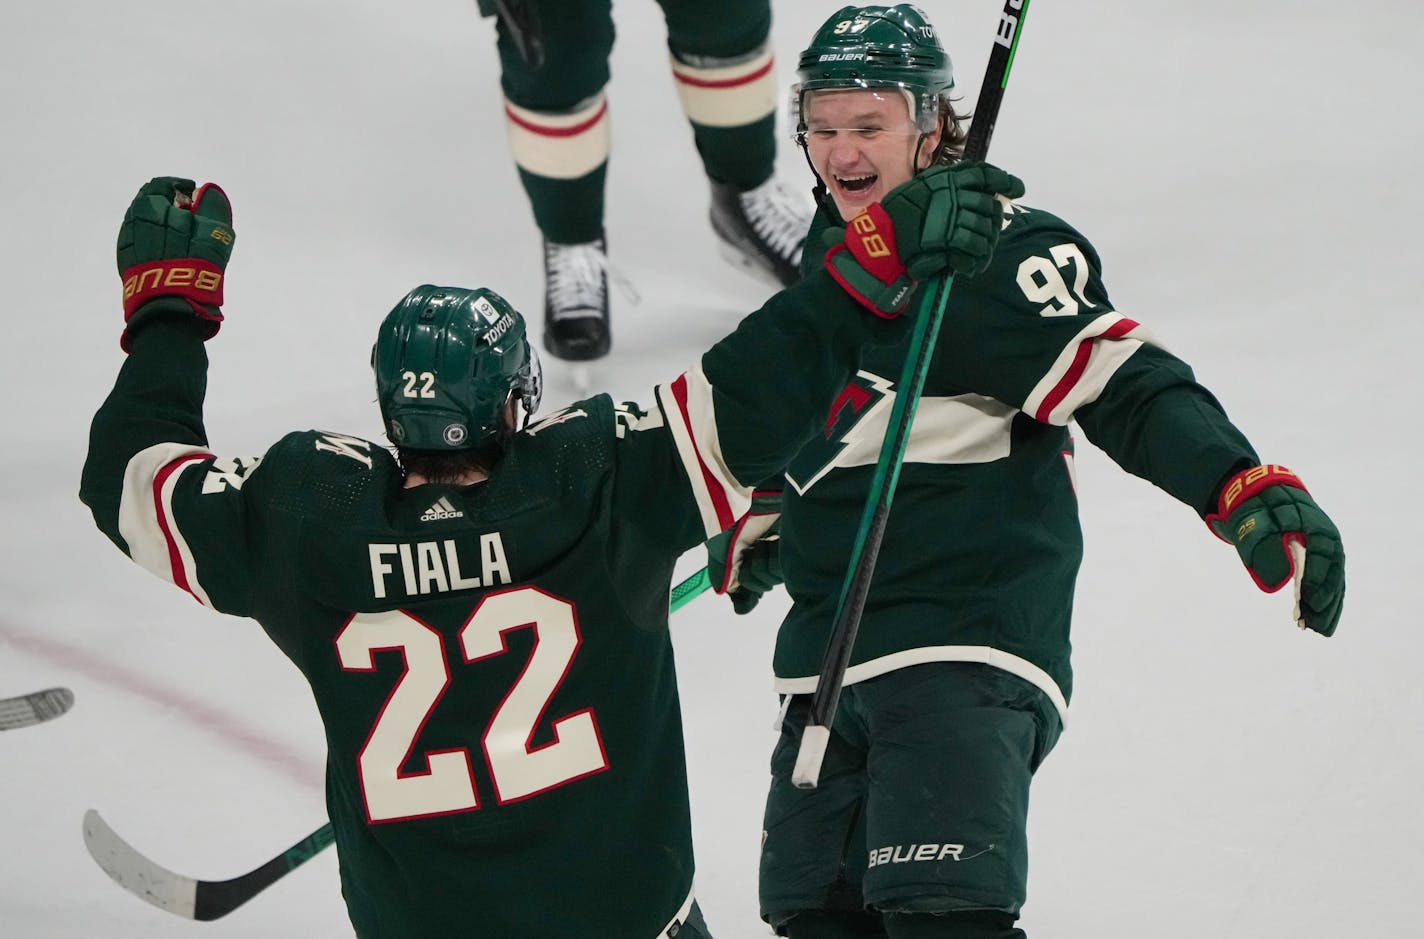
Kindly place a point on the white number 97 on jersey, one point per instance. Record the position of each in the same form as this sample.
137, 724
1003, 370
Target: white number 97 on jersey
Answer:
1041, 281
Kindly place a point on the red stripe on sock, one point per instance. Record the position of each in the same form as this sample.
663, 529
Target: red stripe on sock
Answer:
724, 82
546, 131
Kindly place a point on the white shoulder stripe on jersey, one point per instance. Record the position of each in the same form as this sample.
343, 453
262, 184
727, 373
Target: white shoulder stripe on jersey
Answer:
1083, 368
686, 403
146, 514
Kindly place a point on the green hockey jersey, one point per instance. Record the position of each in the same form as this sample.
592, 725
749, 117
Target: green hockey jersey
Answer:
491, 663
982, 544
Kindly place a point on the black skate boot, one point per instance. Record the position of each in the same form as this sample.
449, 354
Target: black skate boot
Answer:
762, 230
576, 300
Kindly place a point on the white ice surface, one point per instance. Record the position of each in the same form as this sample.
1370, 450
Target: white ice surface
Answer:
1249, 173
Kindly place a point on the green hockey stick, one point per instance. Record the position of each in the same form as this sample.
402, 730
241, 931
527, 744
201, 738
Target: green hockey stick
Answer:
856, 587
684, 592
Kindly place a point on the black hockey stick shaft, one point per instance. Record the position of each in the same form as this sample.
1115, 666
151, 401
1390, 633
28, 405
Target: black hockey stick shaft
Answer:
866, 550
215, 898
179, 894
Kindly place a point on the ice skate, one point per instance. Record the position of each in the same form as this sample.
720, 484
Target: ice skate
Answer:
576, 300
762, 230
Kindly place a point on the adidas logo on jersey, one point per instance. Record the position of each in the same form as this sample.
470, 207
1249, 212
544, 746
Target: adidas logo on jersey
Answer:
440, 510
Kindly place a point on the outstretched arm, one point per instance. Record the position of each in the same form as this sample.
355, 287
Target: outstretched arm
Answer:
172, 253
148, 472
1158, 423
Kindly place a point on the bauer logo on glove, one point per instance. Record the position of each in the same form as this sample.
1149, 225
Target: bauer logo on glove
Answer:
164, 277
1282, 535
173, 249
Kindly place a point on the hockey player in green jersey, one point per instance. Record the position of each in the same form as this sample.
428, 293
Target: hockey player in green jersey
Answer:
959, 680
482, 616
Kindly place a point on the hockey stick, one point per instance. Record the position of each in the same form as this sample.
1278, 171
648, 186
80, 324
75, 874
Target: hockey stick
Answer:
193, 898
190, 897
684, 592
866, 549
521, 21
26, 710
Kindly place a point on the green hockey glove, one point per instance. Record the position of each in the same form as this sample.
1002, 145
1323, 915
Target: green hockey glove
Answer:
946, 218
744, 561
173, 251
1275, 525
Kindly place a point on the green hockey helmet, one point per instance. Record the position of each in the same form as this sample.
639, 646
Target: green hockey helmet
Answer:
447, 360
876, 47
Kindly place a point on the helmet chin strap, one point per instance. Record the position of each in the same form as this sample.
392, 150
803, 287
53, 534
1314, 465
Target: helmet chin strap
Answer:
516, 417
924, 138
819, 192
522, 412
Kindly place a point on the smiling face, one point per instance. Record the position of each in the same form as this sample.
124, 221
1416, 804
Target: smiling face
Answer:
863, 144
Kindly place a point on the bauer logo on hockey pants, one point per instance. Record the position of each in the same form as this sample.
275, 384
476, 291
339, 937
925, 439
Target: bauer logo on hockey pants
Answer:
913, 853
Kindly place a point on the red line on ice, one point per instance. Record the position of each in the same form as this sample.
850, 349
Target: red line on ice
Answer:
300, 767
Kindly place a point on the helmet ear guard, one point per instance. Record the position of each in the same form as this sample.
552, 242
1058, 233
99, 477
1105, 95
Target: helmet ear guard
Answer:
447, 363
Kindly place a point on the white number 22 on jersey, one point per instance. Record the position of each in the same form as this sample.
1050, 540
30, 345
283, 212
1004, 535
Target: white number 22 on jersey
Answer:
517, 769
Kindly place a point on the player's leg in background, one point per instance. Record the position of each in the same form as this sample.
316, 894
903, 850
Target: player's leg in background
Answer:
556, 112
726, 79
953, 749
813, 840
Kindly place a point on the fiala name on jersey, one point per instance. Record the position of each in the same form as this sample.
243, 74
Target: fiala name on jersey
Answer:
435, 566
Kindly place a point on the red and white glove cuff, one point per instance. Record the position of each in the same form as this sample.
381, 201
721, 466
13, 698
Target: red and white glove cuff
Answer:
1248, 483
